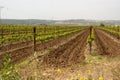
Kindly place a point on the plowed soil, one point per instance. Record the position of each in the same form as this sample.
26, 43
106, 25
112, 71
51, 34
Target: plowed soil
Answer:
69, 53
70, 57
20, 51
107, 45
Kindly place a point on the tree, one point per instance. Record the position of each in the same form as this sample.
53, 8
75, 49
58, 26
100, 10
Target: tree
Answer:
102, 25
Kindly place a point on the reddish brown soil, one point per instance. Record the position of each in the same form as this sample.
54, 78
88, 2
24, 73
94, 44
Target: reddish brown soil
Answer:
22, 51
10, 46
69, 53
107, 45
117, 36
20, 45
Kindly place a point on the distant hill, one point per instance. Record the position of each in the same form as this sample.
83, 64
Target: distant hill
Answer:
25, 21
59, 22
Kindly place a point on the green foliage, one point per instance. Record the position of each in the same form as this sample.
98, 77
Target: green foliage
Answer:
90, 39
15, 33
52, 36
50, 48
8, 71
102, 25
111, 30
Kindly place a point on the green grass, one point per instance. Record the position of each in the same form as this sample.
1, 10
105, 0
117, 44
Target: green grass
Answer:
93, 58
50, 48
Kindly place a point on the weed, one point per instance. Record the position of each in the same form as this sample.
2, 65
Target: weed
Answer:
50, 48
8, 71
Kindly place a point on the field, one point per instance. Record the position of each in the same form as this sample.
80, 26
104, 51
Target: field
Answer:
62, 52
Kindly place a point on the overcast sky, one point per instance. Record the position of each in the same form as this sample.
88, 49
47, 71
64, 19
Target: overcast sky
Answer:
61, 9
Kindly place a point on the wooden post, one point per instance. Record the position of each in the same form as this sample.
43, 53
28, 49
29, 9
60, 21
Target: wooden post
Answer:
90, 38
2, 32
90, 31
118, 31
34, 31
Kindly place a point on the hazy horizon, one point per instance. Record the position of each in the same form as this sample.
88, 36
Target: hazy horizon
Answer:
64, 19
61, 9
